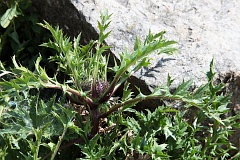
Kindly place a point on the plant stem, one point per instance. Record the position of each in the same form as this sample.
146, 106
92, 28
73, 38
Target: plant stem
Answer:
84, 100
94, 121
117, 106
37, 149
38, 134
79, 140
59, 142
139, 99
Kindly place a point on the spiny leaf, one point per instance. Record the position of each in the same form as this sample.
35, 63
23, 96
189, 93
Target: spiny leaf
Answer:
169, 80
104, 36
76, 41
137, 44
201, 91
167, 131
5, 73
211, 74
182, 89
127, 93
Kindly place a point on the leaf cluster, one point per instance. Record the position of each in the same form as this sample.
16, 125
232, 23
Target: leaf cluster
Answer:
29, 125
19, 33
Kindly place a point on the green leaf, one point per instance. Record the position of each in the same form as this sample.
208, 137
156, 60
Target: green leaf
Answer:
168, 133
104, 36
137, 44
211, 74
201, 91
182, 89
76, 41
127, 93
14, 36
169, 80
8, 16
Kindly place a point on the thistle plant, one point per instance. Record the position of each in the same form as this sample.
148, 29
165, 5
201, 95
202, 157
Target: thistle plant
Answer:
87, 67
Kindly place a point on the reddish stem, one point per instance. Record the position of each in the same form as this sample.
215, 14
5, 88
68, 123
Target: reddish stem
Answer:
84, 100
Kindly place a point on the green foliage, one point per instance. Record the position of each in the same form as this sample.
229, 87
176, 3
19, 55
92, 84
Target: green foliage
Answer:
27, 125
32, 128
8, 16
19, 33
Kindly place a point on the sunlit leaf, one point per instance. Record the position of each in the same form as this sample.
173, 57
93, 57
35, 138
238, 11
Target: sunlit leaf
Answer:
8, 16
